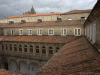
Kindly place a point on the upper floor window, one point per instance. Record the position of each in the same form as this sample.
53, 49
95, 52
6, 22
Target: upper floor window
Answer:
39, 32
20, 32
10, 47
25, 48
15, 47
12, 32
46, 17
37, 49
20, 47
29, 31
52, 17
5, 32
51, 32
6, 47
31, 48
50, 50
63, 31
43, 50
2, 47
57, 48
77, 32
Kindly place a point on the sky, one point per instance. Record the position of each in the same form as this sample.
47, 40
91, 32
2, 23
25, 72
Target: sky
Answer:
18, 7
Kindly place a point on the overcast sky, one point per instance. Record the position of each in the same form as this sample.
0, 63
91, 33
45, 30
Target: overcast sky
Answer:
17, 7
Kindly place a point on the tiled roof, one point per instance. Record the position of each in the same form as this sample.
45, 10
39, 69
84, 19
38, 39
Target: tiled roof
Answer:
77, 12
44, 39
31, 15
78, 57
45, 23
5, 72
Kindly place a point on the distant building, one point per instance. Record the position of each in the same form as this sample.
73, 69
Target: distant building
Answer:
32, 11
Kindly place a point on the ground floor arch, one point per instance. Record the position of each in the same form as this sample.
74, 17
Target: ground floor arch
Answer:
13, 65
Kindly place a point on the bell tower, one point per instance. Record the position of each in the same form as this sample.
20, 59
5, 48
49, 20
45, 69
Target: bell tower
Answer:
33, 11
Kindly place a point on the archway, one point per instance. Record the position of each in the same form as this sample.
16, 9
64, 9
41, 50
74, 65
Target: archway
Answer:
13, 65
24, 68
6, 65
34, 67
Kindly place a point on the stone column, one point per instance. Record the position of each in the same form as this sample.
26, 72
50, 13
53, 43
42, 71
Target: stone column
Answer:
18, 66
12, 48
47, 51
22, 50
40, 50
54, 49
34, 50
9, 64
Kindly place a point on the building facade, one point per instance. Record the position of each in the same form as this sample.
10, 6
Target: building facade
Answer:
26, 43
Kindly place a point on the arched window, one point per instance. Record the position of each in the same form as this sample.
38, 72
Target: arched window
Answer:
31, 48
10, 47
25, 48
6, 47
37, 49
57, 48
43, 50
2, 47
50, 50
15, 48
20, 47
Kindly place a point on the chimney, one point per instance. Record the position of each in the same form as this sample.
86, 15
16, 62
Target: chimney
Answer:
82, 20
11, 22
23, 21
39, 21
58, 19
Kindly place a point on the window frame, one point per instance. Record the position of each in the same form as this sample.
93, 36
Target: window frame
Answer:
5, 32
49, 31
29, 31
11, 32
38, 32
63, 31
77, 32
51, 50
20, 32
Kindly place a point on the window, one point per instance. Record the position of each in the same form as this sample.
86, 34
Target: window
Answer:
2, 47
63, 31
31, 18
50, 31
37, 49
57, 48
10, 47
32, 68
20, 32
25, 48
52, 17
29, 31
5, 32
31, 48
43, 50
12, 32
69, 18
46, 17
6, 47
15, 48
20, 48
77, 32
50, 50
39, 32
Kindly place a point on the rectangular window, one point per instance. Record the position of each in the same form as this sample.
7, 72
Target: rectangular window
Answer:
51, 32
63, 31
2, 47
39, 32
12, 32
29, 31
5, 32
77, 32
20, 32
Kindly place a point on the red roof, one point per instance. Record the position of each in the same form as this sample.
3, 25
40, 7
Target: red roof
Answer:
77, 11
45, 23
74, 58
31, 15
42, 39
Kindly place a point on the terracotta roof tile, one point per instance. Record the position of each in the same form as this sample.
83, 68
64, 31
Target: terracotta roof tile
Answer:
77, 11
31, 15
45, 23
45, 39
73, 58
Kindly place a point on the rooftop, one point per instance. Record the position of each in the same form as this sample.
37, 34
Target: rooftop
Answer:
42, 39
74, 58
44, 23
